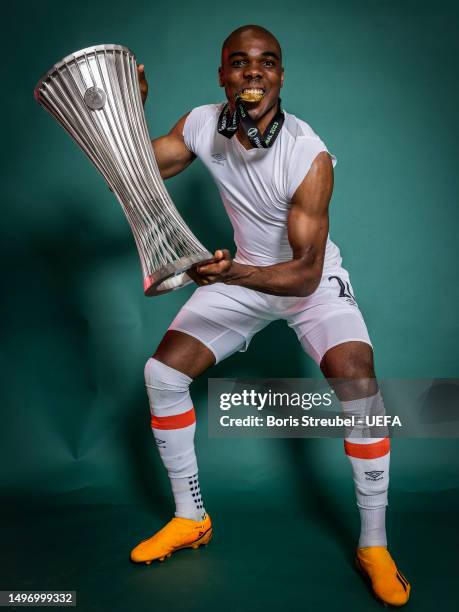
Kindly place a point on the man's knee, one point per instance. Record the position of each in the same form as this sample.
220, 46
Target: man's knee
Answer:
348, 360
351, 368
167, 387
357, 367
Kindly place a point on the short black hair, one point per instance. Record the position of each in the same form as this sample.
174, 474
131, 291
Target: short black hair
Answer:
245, 28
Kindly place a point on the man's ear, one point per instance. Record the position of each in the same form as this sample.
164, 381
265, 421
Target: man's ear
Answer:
282, 78
221, 80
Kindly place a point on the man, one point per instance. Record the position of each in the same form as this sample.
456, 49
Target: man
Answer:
275, 177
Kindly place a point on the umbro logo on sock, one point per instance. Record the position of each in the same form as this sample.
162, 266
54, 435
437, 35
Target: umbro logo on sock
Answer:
374, 475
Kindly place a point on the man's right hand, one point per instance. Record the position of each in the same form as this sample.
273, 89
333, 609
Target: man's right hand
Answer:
142, 82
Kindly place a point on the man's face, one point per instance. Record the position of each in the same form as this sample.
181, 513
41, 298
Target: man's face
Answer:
252, 61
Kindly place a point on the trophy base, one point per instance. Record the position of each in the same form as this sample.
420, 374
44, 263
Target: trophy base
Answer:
173, 276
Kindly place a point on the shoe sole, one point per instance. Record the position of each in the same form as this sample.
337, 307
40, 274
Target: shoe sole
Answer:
367, 579
202, 541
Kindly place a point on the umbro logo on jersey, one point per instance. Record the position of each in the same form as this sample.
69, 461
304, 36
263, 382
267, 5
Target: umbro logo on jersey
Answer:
374, 475
218, 158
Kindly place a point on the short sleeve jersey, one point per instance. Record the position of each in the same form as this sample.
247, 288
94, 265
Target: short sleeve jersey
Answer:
257, 185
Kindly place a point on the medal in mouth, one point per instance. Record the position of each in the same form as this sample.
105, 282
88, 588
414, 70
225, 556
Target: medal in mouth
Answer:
251, 94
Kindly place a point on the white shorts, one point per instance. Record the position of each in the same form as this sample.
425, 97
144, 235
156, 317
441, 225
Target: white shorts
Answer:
226, 317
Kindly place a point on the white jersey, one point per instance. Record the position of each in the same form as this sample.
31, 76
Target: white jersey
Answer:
257, 185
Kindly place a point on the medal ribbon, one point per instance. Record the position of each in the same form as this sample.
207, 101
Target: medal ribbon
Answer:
228, 123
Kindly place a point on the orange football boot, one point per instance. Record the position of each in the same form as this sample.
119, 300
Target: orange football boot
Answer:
178, 533
388, 584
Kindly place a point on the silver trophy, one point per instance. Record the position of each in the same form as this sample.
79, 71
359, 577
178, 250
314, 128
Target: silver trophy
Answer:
95, 95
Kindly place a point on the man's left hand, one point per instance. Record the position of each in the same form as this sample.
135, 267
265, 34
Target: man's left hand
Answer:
218, 270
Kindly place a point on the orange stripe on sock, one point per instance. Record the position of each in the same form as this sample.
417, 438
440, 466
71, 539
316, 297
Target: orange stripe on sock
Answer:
176, 421
367, 451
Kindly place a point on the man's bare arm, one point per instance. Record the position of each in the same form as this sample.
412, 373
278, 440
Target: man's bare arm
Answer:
170, 150
307, 233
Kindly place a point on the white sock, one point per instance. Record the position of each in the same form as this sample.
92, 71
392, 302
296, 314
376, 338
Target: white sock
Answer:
372, 527
187, 496
173, 424
370, 460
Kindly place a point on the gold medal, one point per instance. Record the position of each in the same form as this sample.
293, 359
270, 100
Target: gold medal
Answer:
251, 95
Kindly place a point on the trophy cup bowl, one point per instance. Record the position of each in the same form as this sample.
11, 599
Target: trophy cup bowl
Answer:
95, 95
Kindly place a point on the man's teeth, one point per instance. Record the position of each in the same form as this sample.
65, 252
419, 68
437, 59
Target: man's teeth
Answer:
252, 94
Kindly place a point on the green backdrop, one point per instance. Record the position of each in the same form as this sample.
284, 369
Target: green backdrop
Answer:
79, 476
